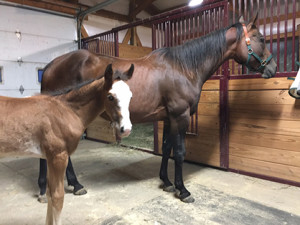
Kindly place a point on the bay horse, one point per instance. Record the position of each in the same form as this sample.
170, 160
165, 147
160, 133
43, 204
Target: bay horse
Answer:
167, 83
50, 126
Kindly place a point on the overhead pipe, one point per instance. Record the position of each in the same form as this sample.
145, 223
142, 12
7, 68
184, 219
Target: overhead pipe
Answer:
81, 15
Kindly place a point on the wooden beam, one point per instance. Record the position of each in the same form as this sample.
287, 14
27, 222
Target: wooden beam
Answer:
84, 33
46, 5
127, 37
143, 5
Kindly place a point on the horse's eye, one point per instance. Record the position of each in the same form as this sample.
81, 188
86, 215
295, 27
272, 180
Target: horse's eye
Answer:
262, 39
110, 97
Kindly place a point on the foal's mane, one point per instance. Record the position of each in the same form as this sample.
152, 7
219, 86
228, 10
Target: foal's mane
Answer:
75, 87
193, 54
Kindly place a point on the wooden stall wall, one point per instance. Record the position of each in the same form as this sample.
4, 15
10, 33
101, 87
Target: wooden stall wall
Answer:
203, 147
264, 136
101, 129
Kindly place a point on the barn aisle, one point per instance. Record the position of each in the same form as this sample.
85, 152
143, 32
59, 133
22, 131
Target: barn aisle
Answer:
123, 188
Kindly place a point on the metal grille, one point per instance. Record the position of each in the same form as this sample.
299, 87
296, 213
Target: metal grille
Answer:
277, 21
105, 44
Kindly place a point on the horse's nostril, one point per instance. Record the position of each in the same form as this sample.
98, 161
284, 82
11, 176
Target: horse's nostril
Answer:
122, 130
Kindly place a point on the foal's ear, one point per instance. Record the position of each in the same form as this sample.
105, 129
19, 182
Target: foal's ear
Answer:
129, 72
108, 77
252, 21
126, 75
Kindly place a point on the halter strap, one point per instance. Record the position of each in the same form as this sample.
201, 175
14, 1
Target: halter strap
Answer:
251, 53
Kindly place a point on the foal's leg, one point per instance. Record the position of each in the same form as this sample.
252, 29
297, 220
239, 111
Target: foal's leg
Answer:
166, 149
72, 180
55, 192
42, 181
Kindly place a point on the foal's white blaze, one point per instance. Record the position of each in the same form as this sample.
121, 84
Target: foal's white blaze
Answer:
122, 92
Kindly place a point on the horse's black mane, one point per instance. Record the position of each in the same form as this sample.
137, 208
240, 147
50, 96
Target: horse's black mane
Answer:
195, 52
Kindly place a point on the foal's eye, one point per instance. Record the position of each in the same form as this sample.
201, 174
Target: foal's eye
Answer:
262, 39
110, 97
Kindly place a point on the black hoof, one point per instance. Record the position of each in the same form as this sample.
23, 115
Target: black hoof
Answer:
185, 197
169, 188
188, 199
42, 198
81, 191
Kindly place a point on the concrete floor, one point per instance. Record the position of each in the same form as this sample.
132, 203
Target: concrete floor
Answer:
123, 188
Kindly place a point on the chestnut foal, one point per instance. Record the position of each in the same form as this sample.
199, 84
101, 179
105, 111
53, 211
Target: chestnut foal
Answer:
50, 126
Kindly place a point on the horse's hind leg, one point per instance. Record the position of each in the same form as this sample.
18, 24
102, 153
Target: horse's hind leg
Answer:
179, 153
72, 180
166, 149
55, 192
42, 181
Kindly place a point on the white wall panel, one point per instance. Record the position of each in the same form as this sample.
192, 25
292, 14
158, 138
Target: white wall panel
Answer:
43, 38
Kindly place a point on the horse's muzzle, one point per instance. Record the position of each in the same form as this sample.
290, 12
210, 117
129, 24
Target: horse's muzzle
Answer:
270, 70
124, 132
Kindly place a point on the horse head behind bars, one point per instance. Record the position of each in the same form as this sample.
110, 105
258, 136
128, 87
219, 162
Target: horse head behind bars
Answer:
167, 83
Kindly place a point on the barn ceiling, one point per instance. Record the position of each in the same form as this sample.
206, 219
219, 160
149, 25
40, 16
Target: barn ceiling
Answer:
122, 10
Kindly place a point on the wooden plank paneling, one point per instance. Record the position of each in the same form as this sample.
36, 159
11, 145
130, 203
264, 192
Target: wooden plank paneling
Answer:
270, 97
101, 130
130, 51
259, 84
278, 156
291, 173
264, 133
211, 85
265, 111
258, 125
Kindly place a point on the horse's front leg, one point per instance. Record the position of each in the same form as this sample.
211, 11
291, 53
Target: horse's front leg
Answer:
166, 149
180, 126
55, 193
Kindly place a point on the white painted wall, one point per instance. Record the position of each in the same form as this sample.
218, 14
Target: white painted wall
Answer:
43, 38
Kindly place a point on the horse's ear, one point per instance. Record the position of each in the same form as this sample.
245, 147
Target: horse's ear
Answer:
252, 21
108, 77
241, 19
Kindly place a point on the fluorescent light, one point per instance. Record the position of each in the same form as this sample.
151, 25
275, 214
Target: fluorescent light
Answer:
195, 2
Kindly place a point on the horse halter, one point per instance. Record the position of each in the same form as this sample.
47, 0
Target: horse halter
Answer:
263, 63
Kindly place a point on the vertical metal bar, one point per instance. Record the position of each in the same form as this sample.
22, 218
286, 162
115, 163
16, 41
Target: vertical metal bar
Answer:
257, 5
245, 10
285, 34
240, 7
233, 21
224, 110
293, 35
251, 8
154, 29
271, 26
117, 44
265, 17
278, 35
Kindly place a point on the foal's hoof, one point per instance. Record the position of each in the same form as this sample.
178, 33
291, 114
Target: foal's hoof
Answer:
169, 188
42, 198
81, 191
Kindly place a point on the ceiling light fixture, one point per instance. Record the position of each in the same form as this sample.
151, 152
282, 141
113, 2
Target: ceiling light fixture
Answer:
193, 3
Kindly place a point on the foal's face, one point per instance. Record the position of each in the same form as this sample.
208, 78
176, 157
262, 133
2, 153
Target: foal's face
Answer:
117, 107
